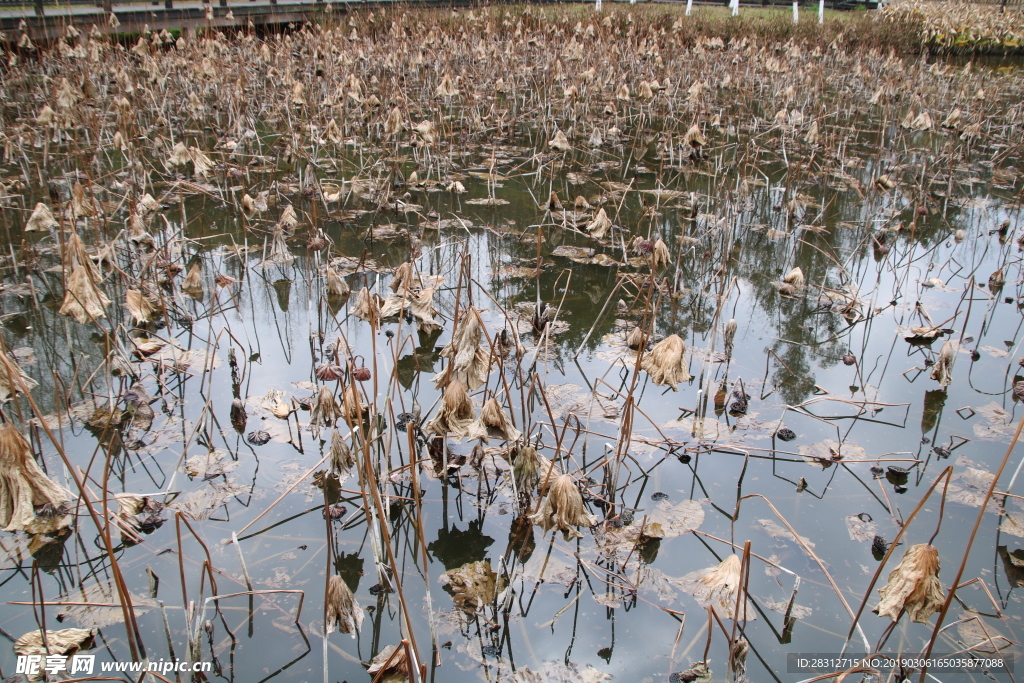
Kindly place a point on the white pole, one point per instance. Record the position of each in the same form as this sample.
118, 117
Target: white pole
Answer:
689, 6
821, 11
597, 5
796, 17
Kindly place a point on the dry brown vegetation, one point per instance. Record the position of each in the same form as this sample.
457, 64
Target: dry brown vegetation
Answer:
371, 126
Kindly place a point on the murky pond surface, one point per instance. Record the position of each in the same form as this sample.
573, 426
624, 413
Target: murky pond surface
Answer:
812, 425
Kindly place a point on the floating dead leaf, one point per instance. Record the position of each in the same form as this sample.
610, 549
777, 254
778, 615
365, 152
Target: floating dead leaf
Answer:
487, 201
797, 612
698, 673
473, 586
25, 355
610, 600
556, 672
997, 425
100, 592
572, 399
717, 586
781, 533
202, 503
978, 635
829, 451
668, 520
515, 272
546, 568
970, 487
577, 254
708, 429
212, 464
861, 529
653, 581
1013, 523
391, 665
66, 642
994, 352
937, 285
919, 334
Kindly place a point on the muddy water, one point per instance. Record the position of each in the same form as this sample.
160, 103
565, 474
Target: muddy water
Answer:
876, 262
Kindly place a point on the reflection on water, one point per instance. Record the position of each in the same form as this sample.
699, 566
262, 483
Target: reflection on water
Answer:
815, 406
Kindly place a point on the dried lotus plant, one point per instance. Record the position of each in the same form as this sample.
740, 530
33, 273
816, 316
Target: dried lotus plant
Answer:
325, 409
279, 254
332, 132
447, 87
393, 125
201, 163
493, 422
41, 219
83, 299
718, 587
729, 335
795, 277
563, 509
391, 665
599, 227
666, 362
913, 586
473, 586
288, 220
526, 468
75, 255
239, 417
83, 205
426, 131
193, 282
138, 306
352, 402
12, 378
636, 338
695, 140
134, 514
367, 306
455, 414
405, 277
344, 614
29, 500
148, 205
66, 642
179, 155
137, 232
342, 460
45, 116
420, 304
248, 205
468, 361
560, 142
942, 371
660, 257
336, 285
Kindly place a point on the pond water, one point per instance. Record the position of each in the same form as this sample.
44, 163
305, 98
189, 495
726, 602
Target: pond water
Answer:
811, 424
